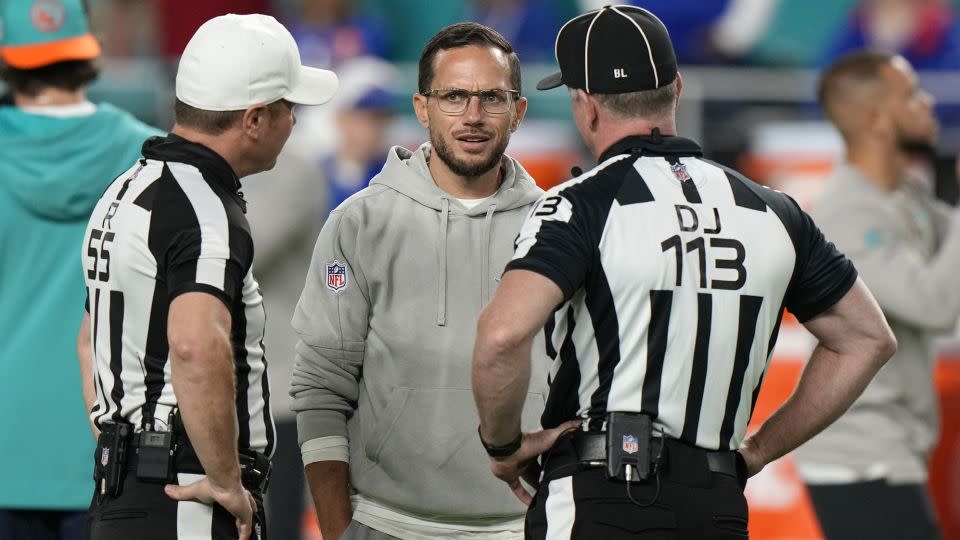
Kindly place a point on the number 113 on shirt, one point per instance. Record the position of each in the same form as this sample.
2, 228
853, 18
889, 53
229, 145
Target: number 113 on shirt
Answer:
720, 248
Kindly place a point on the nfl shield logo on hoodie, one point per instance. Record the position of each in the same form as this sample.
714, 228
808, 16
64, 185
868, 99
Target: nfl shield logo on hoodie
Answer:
336, 276
680, 171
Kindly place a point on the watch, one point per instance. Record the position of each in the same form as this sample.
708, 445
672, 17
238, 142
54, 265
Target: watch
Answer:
502, 451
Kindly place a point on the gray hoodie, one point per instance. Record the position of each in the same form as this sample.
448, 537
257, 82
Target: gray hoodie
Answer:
906, 246
387, 322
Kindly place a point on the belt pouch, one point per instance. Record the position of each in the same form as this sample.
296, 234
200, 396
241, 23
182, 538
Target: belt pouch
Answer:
110, 466
628, 445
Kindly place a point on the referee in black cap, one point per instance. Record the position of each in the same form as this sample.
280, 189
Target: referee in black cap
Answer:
660, 279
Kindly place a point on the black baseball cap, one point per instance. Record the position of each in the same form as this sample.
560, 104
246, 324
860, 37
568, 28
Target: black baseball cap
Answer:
613, 50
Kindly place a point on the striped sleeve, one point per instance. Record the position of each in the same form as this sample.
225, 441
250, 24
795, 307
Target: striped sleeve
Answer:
822, 275
557, 239
203, 252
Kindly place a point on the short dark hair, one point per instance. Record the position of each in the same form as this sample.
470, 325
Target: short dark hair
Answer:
645, 103
462, 35
861, 67
68, 75
209, 122
214, 122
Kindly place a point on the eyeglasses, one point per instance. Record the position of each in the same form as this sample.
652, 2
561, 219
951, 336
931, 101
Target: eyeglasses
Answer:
455, 100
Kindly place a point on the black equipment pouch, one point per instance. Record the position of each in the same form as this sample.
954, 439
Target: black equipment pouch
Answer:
155, 456
628, 445
111, 457
155, 452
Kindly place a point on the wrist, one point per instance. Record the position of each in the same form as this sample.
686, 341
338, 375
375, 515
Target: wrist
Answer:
753, 455
502, 450
227, 482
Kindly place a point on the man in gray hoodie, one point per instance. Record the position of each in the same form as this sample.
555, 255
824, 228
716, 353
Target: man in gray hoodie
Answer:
387, 318
868, 471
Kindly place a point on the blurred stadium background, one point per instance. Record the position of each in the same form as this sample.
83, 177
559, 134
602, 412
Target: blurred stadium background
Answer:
750, 69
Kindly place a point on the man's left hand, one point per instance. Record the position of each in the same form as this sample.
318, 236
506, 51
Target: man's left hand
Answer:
523, 463
751, 457
236, 500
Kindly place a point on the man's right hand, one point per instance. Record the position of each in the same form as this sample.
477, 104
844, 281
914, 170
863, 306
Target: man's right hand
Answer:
235, 499
521, 464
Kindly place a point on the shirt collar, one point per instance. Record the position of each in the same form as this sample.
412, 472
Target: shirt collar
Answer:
215, 169
653, 145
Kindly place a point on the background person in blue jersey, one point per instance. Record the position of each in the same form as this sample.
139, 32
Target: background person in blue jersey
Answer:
661, 325
58, 152
364, 110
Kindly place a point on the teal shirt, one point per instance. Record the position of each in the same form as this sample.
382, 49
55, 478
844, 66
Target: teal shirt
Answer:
52, 172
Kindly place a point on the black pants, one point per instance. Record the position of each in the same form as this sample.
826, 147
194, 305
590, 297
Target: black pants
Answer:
285, 496
691, 503
875, 510
144, 512
22, 524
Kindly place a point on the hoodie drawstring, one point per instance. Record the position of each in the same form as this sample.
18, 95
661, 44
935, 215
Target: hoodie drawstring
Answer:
485, 256
442, 292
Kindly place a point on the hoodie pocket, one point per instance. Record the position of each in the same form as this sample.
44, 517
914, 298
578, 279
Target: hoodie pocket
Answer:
427, 444
373, 441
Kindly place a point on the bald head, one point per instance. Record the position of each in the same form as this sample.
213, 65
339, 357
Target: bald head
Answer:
852, 87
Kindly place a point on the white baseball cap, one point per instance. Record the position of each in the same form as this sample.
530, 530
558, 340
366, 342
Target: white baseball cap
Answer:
235, 61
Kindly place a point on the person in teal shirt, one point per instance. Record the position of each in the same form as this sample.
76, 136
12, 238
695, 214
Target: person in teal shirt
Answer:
58, 152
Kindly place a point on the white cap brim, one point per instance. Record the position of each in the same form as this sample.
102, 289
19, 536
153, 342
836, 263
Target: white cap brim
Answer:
315, 87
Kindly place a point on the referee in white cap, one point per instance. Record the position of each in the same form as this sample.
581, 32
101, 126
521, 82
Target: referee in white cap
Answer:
173, 333
661, 279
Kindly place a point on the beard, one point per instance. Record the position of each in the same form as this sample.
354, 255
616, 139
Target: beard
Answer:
462, 167
915, 145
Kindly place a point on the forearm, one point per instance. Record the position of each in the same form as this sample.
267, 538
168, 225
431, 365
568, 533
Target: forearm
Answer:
501, 378
205, 389
329, 488
85, 358
500, 372
324, 391
830, 383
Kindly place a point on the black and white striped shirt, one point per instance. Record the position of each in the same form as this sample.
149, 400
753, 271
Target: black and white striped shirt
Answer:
675, 273
173, 223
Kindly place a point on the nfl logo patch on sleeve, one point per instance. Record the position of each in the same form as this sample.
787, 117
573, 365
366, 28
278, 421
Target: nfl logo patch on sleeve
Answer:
336, 276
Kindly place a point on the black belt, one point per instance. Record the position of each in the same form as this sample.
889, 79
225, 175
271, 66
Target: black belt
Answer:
589, 449
255, 467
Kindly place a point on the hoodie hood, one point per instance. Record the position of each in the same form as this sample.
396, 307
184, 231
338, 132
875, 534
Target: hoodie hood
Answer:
407, 173
56, 167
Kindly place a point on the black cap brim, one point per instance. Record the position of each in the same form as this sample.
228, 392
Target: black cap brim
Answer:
551, 81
